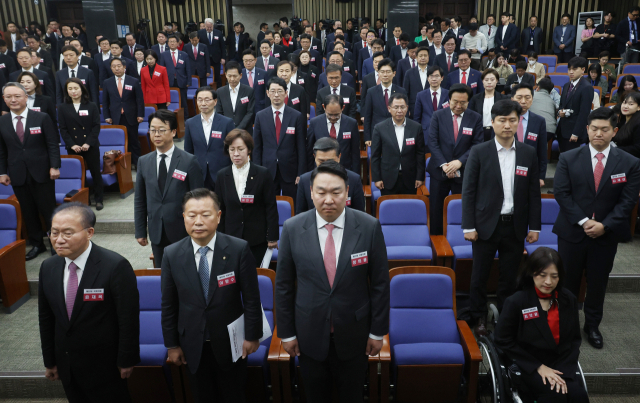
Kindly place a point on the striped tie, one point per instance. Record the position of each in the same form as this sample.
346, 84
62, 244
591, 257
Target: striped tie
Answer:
204, 271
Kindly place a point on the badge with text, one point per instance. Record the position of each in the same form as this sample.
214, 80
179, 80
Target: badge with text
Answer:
128, 87
156, 74
83, 82
180, 61
36, 109
315, 48
345, 100
348, 201
35, 130
201, 53
247, 199
301, 81
313, 59
445, 105
411, 141
295, 101
619, 178
346, 68
460, 36
41, 82
455, 64
226, 279
96, 294
216, 134
530, 313
215, 37
277, 55
271, 67
41, 60
179, 175
260, 82
244, 100
467, 131
291, 130
82, 65
2, 66
83, 113
522, 171
532, 136
313, 75
474, 85
346, 135
358, 259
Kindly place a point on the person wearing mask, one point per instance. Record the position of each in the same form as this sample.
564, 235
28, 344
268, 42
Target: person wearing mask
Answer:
255, 78
596, 79
140, 62
199, 59
333, 74
531, 37
483, 101
367, 65
296, 96
519, 77
178, 67
35, 100
155, 82
489, 31
499, 224
406, 64
476, 43
24, 60
236, 100
311, 72
238, 42
628, 83
534, 67
543, 105
564, 36
79, 123
575, 105
214, 40
329, 149
416, 79
594, 213
465, 74
430, 100
533, 340
588, 42
347, 79
628, 136
370, 80
605, 34
503, 67
506, 35
448, 60
73, 70
130, 50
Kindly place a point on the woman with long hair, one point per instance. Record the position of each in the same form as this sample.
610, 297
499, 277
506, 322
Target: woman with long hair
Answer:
588, 46
628, 136
627, 83
503, 68
597, 79
534, 67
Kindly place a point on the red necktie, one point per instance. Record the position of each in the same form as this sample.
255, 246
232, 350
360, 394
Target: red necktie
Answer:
20, 129
335, 91
195, 52
329, 258
173, 55
286, 99
332, 133
397, 41
455, 127
250, 79
435, 101
464, 77
448, 62
597, 172
489, 30
278, 127
386, 96
131, 50
520, 131
72, 288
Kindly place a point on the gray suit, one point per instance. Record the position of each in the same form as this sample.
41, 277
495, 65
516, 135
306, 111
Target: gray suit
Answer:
163, 211
243, 114
490, 38
543, 105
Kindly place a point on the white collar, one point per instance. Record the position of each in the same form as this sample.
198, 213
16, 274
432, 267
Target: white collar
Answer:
169, 153
453, 114
208, 121
243, 169
74, 67
211, 244
386, 88
499, 146
594, 151
438, 91
398, 126
23, 114
281, 110
321, 222
30, 70
80, 261
575, 83
234, 89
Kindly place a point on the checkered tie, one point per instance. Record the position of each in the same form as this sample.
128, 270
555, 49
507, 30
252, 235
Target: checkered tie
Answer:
204, 271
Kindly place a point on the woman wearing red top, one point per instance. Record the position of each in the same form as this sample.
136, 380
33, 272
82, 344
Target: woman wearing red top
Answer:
154, 81
539, 330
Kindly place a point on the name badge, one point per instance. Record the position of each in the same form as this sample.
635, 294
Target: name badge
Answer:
41, 60
83, 82
216, 38
295, 101
291, 130
619, 178
346, 68
348, 201
530, 313
128, 87
411, 141
531, 42
35, 130
455, 64
301, 81
201, 53
244, 100
313, 75
474, 85
358, 259
277, 55
180, 61
84, 66
247, 199
460, 36
179, 175
41, 82
96, 294
346, 135
313, 59
315, 47
633, 36
445, 105
522, 171
216, 134
345, 100
2, 66
271, 67
532, 136
83, 113
157, 74
467, 130
226, 279
36, 109
260, 82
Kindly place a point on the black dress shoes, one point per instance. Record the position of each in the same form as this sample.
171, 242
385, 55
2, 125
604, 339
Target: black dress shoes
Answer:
99, 206
594, 337
480, 329
35, 252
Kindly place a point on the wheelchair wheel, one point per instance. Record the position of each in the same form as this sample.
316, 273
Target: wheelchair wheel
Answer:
584, 381
490, 380
493, 315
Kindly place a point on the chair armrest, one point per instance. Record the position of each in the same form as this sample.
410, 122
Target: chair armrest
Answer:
284, 356
422, 190
81, 196
274, 348
385, 352
13, 275
441, 246
125, 179
367, 190
469, 343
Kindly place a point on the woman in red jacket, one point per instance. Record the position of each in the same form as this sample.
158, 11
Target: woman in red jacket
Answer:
155, 82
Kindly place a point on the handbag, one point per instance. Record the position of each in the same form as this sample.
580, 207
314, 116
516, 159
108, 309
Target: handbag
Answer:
109, 162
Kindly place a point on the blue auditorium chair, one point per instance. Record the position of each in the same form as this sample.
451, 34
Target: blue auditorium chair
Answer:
14, 287
621, 76
146, 144
631, 68
285, 211
562, 68
114, 137
70, 186
550, 209
6, 192
176, 107
549, 60
559, 79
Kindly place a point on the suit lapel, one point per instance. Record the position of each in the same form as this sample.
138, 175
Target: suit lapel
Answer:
190, 268
175, 158
309, 236
495, 165
540, 322
220, 256
58, 275
283, 126
350, 237
238, 102
585, 161
612, 162
251, 181
76, 115
214, 125
91, 272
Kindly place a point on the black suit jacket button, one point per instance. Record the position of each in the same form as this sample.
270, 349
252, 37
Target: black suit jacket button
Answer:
74, 128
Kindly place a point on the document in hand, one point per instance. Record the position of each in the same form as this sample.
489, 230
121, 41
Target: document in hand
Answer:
236, 334
266, 259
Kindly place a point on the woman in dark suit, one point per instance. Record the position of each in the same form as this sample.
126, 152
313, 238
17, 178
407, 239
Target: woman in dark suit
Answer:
539, 330
36, 102
138, 54
154, 81
79, 127
247, 198
311, 71
483, 101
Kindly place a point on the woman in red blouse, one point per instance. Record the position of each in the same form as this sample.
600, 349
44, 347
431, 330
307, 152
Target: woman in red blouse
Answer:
154, 81
539, 330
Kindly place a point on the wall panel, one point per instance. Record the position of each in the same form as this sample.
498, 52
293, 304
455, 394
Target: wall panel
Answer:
22, 12
315, 10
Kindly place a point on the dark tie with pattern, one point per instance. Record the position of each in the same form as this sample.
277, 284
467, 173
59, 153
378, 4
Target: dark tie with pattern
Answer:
162, 173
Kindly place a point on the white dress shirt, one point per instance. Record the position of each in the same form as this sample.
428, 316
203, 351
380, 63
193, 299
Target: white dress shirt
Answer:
399, 129
233, 93
403, 52
76, 106
594, 161
423, 75
438, 49
167, 159
507, 159
30, 70
106, 56
161, 47
504, 30
206, 126
24, 119
81, 262
386, 88
486, 111
240, 178
74, 69
467, 75
438, 94
274, 110
139, 66
196, 252
14, 40
336, 125
338, 88
31, 100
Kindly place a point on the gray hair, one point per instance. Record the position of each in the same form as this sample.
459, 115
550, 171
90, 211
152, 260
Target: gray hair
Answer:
87, 216
209, 21
14, 84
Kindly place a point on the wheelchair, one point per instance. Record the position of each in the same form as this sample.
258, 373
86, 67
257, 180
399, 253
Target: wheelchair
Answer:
498, 381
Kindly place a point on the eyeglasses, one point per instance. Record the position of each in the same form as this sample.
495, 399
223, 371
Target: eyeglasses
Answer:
10, 97
398, 108
162, 132
276, 92
65, 235
204, 100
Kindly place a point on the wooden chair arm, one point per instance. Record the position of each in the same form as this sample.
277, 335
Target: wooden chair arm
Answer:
13, 275
274, 348
385, 352
423, 191
82, 196
469, 343
125, 179
441, 246
283, 355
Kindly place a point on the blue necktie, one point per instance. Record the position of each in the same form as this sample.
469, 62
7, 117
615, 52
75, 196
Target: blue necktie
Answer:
204, 271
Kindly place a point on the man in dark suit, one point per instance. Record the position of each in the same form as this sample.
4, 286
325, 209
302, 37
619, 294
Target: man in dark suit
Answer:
575, 105
465, 74
266, 61
4, 51
376, 106
359, 44
626, 35
296, 97
346, 79
254, 78
236, 100
519, 77
406, 64
316, 56
238, 42
178, 68
37, 65
334, 75
448, 59
277, 51
263, 28
393, 41
24, 60
34, 44
399, 52
370, 80
123, 104
214, 39
328, 149
506, 35
596, 187
374, 46
199, 60
83, 59
334, 333
397, 151
73, 69
116, 53
161, 46
204, 136
102, 58
9, 66
425, 105
532, 129
51, 37
490, 61
564, 37
279, 138
450, 143
29, 162
131, 47
89, 312
380, 30
531, 37
342, 128
202, 296
498, 215
316, 44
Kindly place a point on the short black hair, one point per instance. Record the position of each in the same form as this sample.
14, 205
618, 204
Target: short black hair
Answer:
152, 53
521, 86
538, 261
193, 34
333, 168
335, 53
504, 108
412, 45
462, 88
577, 62
262, 42
473, 26
546, 84
377, 42
333, 99
284, 63
604, 53
248, 52
376, 54
88, 217
233, 65
118, 60
305, 36
422, 48
277, 81
201, 193
207, 88
405, 37
448, 38
71, 48
566, 15
326, 144
399, 95
165, 116
533, 55
446, 22
521, 65
603, 113
435, 68
331, 68
264, 24
464, 52
387, 62
115, 42
104, 39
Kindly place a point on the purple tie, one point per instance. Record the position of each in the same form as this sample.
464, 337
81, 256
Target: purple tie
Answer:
413, 62
20, 129
72, 288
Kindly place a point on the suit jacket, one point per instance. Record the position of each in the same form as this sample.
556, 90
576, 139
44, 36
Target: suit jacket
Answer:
568, 40
210, 156
48, 88
187, 317
7, 66
395, 54
260, 81
179, 74
473, 80
46, 59
574, 189
622, 34
363, 54
270, 68
484, 29
530, 343
243, 43
348, 136
433, 55
289, 154
7, 38
536, 137
485, 63
78, 128
156, 48
477, 101
367, 67
47, 70
126, 51
36, 155
441, 60
347, 79
155, 89
348, 95
131, 101
311, 77
41, 103
375, 108
259, 37
217, 48
87, 62
202, 65
368, 82
526, 79
104, 331
163, 210
510, 40
402, 67
459, 36
255, 222
280, 52
525, 40
482, 193
297, 99
355, 195
244, 112
358, 302
423, 111
106, 72
85, 75
579, 101
349, 67
413, 84
441, 141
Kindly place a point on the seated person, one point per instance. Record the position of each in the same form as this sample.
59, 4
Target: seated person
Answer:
515, 56
519, 77
530, 327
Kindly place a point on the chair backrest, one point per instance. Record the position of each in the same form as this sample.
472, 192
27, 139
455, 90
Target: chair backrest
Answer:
453, 221
100, 97
175, 99
6, 191
10, 222
404, 220
266, 286
112, 138
285, 209
101, 116
598, 89
72, 173
148, 110
558, 88
631, 68
562, 68
559, 79
150, 310
195, 82
312, 113
550, 60
621, 76
614, 90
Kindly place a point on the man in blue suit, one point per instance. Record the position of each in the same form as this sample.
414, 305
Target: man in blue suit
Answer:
337, 59
416, 79
450, 142
129, 50
316, 56
116, 53
507, 35
532, 38
424, 107
564, 37
73, 69
399, 52
465, 74
279, 138
161, 46
366, 53
448, 59
204, 136
255, 78
123, 104
214, 39
532, 129
199, 61
333, 123
178, 68
409, 62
